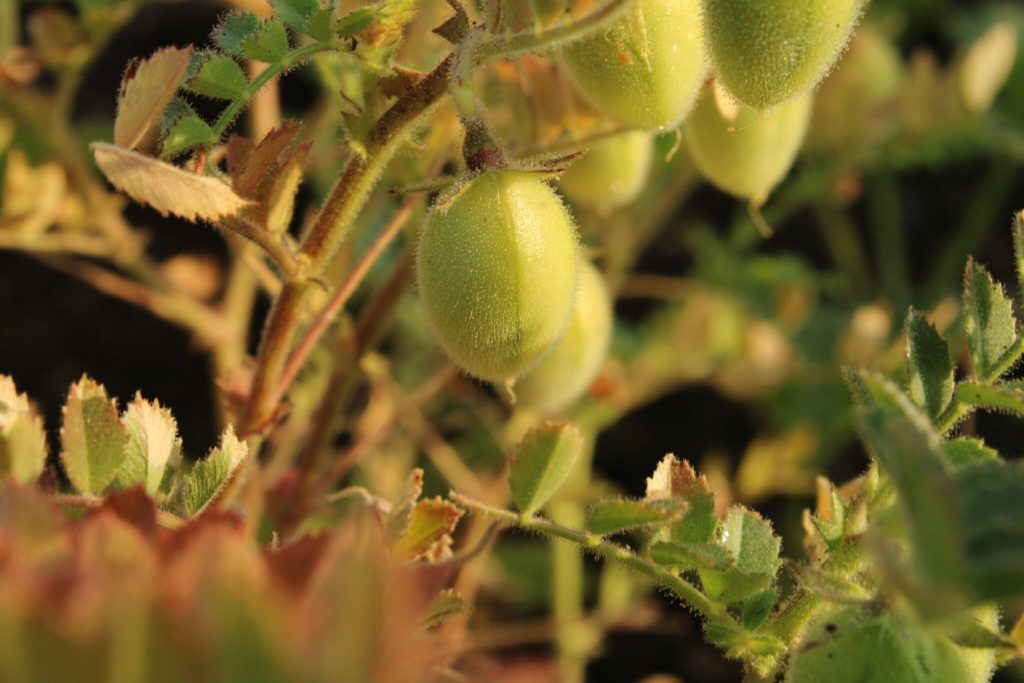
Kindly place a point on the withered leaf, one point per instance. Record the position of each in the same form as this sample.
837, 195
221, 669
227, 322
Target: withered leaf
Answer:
146, 89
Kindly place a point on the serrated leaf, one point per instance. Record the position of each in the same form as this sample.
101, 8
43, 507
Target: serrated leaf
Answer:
234, 30
676, 480
757, 608
205, 481
688, 556
541, 464
964, 451
186, 132
251, 166
614, 516
93, 441
166, 188
146, 89
988, 319
153, 444
269, 44
22, 437
356, 21
216, 75
754, 548
319, 25
296, 13
931, 370
428, 532
1006, 398
398, 518
837, 589
1018, 249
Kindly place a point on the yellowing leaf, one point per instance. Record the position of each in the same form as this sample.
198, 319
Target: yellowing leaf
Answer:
166, 188
146, 89
32, 197
427, 534
987, 66
22, 439
153, 444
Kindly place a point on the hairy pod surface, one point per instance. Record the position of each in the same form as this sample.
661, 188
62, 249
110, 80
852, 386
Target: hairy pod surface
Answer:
612, 173
646, 70
767, 52
497, 270
741, 151
565, 373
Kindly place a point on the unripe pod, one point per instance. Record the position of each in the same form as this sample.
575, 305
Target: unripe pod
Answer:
769, 51
565, 373
646, 70
741, 151
611, 173
497, 273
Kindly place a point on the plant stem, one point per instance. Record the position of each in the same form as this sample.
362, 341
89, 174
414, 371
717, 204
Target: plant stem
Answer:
685, 590
957, 409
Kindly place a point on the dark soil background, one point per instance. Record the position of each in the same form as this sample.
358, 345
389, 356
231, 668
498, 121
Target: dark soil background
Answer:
54, 329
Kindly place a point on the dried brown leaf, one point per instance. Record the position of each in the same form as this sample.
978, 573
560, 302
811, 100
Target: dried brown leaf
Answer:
166, 188
146, 89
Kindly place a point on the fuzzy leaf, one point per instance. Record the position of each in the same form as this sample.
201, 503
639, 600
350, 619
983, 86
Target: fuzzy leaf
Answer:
428, 532
1018, 249
988, 319
208, 477
676, 481
965, 451
153, 444
319, 25
757, 608
355, 21
146, 89
216, 75
296, 13
186, 132
542, 463
277, 197
401, 509
613, 516
234, 30
445, 606
252, 166
22, 438
931, 370
837, 589
688, 556
269, 44
1005, 398
166, 188
93, 441
754, 548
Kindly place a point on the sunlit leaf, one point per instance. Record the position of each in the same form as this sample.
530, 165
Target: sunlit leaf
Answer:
988, 319
146, 89
153, 444
206, 480
22, 437
931, 370
428, 532
216, 75
542, 463
613, 516
93, 441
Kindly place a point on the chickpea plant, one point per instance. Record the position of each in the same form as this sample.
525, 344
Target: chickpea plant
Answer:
126, 558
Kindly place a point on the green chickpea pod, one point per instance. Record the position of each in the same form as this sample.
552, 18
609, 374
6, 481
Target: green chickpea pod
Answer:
497, 273
741, 151
646, 70
611, 173
565, 373
767, 52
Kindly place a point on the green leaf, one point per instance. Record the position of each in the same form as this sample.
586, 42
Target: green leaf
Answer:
1018, 248
688, 556
988, 320
206, 480
613, 516
319, 25
22, 438
846, 647
93, 441
754, 548
1004, 398
296, 13
931, 370
234, 30
183, 130
153, 444
445, 606
428, 532
542, 463
269, 44
757, 608
675, 481
831, 587
964, 451
906, 445
356, 21
216, 75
